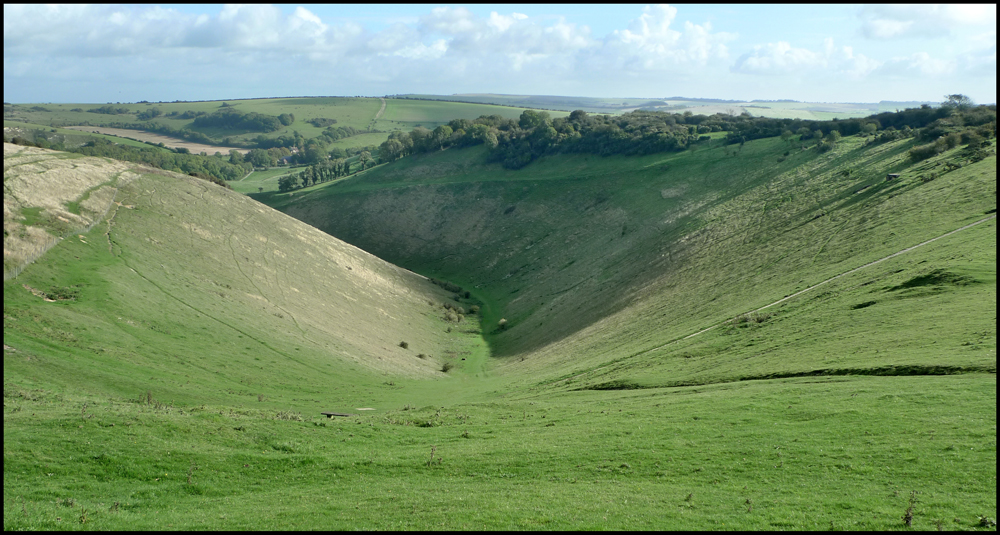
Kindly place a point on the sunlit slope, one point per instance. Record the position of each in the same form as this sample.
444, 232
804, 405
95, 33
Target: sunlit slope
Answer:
46, 194
203, 295
592, 259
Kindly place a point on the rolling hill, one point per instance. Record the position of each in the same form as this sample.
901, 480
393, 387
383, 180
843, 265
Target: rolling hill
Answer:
167, 367
590, 259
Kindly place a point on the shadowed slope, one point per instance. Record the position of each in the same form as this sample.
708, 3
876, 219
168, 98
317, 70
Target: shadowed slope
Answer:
594, 259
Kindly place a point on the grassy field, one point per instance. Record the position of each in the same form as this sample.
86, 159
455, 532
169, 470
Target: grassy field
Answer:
822, 453
176, 378
359, 113
405, 114
777, 109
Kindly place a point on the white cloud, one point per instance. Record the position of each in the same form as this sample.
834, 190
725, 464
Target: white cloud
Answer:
924, 20
782, 58
777, 58
917, 64
452, 49
651, 43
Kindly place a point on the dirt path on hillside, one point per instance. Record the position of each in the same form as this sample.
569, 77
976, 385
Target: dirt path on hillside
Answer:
800, 292
378, 115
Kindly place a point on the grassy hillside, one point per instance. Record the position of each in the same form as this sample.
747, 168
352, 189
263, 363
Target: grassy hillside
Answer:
163, 286
576, 251
166, 369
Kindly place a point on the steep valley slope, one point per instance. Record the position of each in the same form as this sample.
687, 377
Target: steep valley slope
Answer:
595, 259
214, 295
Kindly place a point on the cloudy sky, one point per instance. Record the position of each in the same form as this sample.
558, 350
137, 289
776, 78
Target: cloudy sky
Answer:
829, 53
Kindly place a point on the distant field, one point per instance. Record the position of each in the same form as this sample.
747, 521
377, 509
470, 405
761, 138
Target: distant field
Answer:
359, 113
776, 109
152, 137
68, 136
404, 114
268, 180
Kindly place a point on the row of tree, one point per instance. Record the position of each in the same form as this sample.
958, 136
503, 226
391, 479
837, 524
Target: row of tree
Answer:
516, 143
323, 171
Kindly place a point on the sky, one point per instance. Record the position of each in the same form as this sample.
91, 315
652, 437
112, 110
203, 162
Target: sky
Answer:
813, 53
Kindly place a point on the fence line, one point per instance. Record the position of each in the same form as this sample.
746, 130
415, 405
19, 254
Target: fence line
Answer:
44, 248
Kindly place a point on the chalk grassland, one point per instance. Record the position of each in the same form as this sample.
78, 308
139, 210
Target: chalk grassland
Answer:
175, 266
593, 259
177, 380
48, 195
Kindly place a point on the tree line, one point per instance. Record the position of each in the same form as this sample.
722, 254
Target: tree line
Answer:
516, 143
325, 171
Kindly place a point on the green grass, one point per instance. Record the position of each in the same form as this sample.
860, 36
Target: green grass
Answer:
737, 456
262, 179
404, 114
674, 242
358, 113
203, 325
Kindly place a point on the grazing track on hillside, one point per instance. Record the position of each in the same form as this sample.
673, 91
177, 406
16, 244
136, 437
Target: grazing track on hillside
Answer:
835, 277
378, 115
800, 292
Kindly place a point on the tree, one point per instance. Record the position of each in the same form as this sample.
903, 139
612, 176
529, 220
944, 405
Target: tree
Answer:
260, 158
958, 102
288, 182
365, 157
441, 135
530, 119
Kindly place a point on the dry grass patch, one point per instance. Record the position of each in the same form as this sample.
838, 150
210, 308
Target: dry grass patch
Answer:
47, 194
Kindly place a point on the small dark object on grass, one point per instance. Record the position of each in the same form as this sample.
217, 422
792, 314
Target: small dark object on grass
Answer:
404, 345
908, 516
447, 366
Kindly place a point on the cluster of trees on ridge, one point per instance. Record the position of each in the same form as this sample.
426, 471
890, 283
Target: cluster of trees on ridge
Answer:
232, 119
516, 143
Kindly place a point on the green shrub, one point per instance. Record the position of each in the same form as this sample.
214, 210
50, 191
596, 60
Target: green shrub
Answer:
404, 345
922, 152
